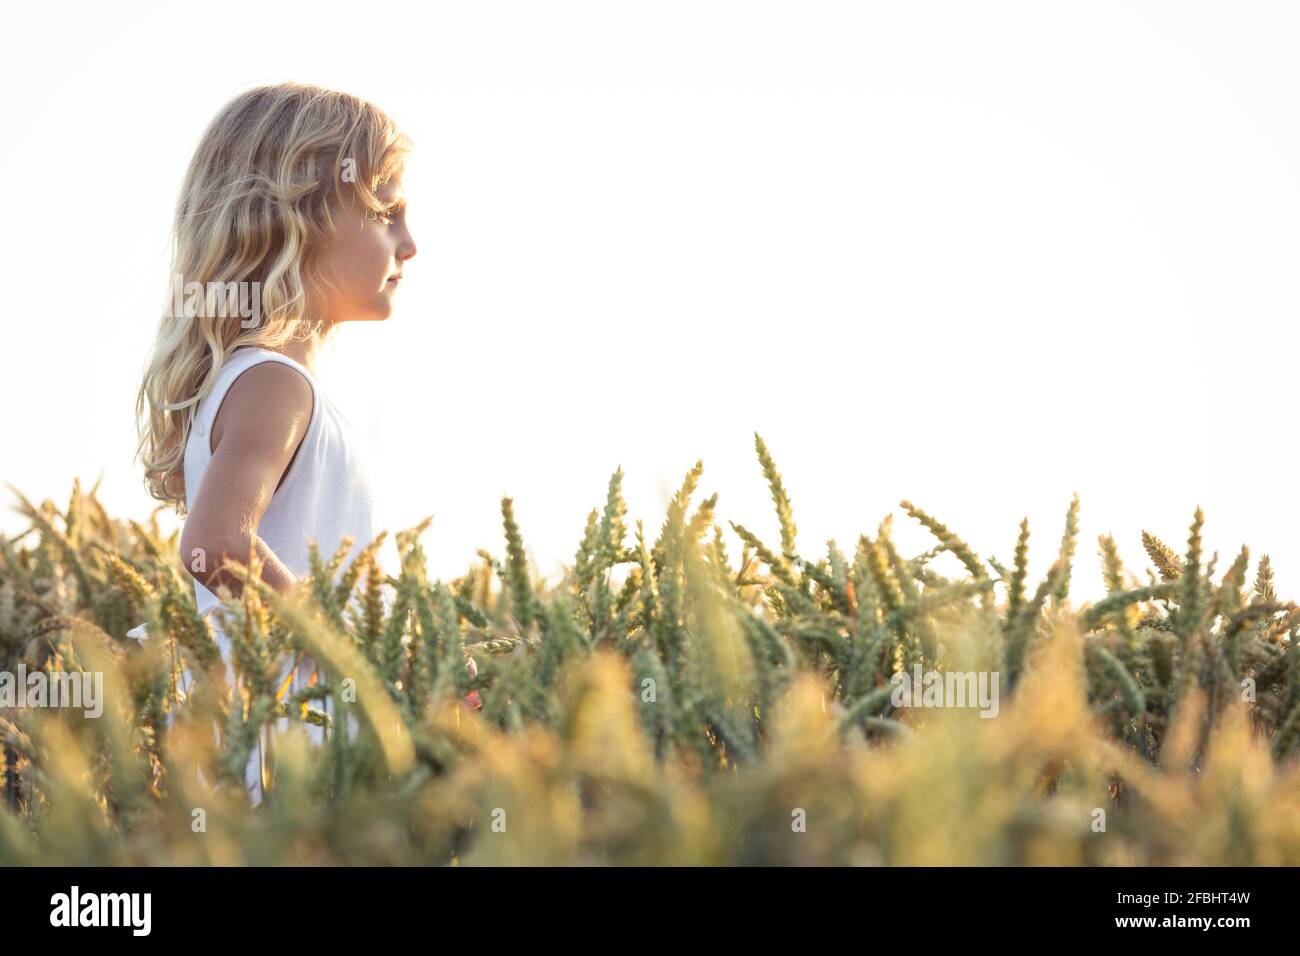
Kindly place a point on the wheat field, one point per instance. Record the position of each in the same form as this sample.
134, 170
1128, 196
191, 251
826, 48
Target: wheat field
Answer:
661, 704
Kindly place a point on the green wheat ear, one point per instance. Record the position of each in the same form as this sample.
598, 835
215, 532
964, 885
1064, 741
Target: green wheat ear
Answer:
521, 590
1162, 556
1066, 556
1264, 581
1234, 581
779, 496
584, 559
702, 519
613, 529
1016, 588
1191, 598
1112, 570
779, 565
949, 540
682, 500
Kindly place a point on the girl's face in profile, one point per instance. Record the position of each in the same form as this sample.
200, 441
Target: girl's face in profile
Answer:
364, 258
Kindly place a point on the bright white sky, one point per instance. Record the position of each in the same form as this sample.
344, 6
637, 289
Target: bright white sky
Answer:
980, 256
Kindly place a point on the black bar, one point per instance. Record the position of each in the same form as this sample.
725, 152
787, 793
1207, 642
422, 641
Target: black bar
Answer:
484, 906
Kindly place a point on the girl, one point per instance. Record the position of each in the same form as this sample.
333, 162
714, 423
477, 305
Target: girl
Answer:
290, 222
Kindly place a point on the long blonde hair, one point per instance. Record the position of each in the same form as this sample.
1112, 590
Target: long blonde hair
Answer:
260, 193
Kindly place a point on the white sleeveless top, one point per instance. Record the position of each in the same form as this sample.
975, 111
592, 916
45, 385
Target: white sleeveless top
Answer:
326, 493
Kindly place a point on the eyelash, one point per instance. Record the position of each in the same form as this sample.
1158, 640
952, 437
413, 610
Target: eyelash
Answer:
387, 214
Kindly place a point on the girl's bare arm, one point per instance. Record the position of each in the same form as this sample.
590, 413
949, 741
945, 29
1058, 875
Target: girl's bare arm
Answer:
258, 428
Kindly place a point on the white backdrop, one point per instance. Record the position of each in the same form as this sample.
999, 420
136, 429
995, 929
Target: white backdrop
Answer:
981, 256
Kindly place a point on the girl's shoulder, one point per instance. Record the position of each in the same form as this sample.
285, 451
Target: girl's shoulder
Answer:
247, 357
259, 353
251, 381
261, 387
239, 363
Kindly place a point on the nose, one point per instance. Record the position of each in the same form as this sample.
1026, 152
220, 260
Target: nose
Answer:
406, 249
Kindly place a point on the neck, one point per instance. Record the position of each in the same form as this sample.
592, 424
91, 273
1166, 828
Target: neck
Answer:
305, 352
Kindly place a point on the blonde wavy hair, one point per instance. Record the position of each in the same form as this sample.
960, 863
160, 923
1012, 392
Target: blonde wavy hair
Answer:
269, 174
